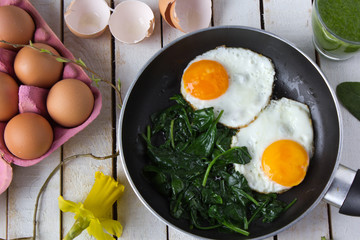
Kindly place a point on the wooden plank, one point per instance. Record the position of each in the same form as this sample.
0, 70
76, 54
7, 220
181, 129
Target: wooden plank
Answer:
22, 195
315, 223
170, 33
79, 175
27, 181
338, 72
237, 12
174, 234
3, 218
138, 221
344, 227
292, 21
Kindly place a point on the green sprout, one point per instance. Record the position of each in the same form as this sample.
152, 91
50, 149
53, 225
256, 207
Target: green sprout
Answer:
96, 78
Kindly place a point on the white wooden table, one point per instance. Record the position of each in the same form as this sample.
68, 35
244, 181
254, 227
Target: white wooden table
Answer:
289, 19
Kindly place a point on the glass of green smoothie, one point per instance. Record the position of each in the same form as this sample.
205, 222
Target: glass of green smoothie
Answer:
336, 27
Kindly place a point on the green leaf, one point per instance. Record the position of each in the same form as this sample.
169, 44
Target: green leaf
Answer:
202, 119
179, 100
204, 143
62, 60
177, 185
238, 155
241, 156
45, 51
217, 212
118, 85
210, 196
176, 207
95, 80
223, 138
81, 62
349, 95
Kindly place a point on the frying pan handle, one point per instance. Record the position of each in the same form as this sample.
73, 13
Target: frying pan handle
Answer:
351, 205
344, 192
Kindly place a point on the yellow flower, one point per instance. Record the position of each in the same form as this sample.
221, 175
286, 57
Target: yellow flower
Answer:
91, 214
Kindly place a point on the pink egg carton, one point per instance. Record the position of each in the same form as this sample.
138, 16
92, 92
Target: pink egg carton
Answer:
33, 99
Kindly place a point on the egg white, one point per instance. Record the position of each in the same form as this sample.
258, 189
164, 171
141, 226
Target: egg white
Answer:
251, 78
281, 119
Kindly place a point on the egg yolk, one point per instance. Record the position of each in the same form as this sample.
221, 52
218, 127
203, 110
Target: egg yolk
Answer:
206, 79
285, 162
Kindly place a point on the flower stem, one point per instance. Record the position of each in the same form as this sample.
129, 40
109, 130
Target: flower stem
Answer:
80, 225
43, 187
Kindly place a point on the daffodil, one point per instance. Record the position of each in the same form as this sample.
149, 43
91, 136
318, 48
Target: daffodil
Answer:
92, 214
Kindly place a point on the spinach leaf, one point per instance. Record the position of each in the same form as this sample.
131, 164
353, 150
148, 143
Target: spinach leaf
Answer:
158, 177
272, 210
219, 214
179, 100
175, 160
349, 95
211, 197
177, 184
204, 143
193, 167
233, 155
224, 137
202, 119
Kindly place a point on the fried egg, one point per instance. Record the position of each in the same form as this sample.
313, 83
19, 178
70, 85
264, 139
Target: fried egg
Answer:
236, 80
280, 142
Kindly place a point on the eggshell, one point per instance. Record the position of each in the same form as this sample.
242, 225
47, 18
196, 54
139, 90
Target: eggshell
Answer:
16, 26
36, 68
28, 135
8, 97
6, 175
191, 15
87, 18
132, 21
164, 8
70, 102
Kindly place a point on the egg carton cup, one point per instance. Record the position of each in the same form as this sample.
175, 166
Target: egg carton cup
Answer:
33, 99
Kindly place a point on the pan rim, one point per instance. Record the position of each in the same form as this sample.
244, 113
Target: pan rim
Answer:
324, 78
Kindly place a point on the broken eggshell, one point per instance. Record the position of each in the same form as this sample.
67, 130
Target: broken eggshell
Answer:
132, 21
186, 15
164, 8
87, 18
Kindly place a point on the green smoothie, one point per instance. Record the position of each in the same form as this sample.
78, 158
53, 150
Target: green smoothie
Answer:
337, 30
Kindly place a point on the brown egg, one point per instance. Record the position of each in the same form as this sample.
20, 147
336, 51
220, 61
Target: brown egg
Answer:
9, 97
70, 102
28, 135
36, 68
16, 26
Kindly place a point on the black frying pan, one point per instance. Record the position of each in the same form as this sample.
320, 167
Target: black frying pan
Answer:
297, 77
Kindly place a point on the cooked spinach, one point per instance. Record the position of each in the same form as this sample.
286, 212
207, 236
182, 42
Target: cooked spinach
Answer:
193, 168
